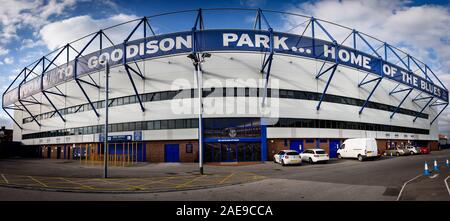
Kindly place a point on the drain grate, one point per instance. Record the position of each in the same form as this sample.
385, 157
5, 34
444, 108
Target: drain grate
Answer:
391, 191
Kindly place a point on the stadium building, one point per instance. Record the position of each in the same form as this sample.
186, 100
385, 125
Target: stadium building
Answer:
262, 89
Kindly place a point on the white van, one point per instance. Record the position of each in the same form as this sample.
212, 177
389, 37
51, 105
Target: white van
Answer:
360, 148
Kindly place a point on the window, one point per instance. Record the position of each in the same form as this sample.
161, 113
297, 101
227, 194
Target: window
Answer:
164, 124
171, 124
189, 148
179, 124
138, 126
157, 125
119, 101
114, 128
126, 100
150, 125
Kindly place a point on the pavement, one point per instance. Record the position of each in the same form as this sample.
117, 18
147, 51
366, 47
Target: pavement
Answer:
381, 179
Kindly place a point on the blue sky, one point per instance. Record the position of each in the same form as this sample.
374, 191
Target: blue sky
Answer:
31, 28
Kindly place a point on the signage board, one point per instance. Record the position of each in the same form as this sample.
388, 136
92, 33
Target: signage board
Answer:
228, 40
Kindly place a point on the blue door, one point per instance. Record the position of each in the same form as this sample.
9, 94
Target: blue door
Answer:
172, 153
334, 146
297, 145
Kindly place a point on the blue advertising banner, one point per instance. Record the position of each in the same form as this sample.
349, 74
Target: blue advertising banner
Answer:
227, 40
137, 135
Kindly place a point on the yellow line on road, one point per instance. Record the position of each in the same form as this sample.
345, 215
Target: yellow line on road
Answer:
155, 181
37, 181
121, 184
4, 178
190, 181
227, 177
70, 181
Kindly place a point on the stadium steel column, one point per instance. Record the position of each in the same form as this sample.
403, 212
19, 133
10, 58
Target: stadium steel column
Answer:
198, 78
196, 60
267, 63
106, 149
378, 79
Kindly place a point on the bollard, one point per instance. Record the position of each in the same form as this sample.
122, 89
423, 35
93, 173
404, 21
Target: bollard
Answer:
447, 163
436, 167
426, 172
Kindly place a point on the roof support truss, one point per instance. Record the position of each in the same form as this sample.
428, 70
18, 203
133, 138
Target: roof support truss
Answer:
426, 105
401, 102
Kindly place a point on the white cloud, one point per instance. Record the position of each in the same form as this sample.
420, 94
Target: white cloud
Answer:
22, 13
3, 51
30, 43
8, 60
252, 3
59, 33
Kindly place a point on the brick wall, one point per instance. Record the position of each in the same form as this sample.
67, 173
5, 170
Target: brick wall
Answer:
155, 150
274, 146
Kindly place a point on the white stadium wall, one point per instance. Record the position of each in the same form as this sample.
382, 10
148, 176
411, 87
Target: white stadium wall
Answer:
292, 73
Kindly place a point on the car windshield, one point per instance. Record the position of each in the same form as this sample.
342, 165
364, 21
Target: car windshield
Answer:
320, 152
291, 153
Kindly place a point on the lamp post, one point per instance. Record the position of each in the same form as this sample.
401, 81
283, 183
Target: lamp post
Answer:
106, 149
196, 61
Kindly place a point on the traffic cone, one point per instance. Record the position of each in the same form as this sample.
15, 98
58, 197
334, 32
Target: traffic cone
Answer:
447, 163
426, 172
436, 167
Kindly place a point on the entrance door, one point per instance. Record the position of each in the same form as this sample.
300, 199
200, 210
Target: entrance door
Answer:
229, 152
334, 146
141, 152
58, 153
49, 152
171, 153
297, 145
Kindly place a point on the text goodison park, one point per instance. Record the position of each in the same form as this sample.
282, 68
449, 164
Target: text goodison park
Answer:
224, 40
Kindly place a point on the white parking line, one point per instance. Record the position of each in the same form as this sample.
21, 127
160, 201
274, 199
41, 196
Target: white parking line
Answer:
403, 187
446, 184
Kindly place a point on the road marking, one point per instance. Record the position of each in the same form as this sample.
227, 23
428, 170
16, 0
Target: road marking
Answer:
434, 176
156, 181
446, 184
4, 178
403, 187
122, 184
227, 177
70, 181
37, 181
190, 181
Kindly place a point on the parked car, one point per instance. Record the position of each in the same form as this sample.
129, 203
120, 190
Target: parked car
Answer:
412, 149
314, 156
424, 150
396, 151
285, 157
360, 148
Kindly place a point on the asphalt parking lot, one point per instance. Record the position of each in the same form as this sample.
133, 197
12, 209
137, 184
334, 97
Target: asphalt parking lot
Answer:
381, 179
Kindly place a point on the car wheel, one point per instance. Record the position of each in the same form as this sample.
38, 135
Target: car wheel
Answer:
360, 158
412, 153
274, 160
339, 156
310, 161
282, 163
